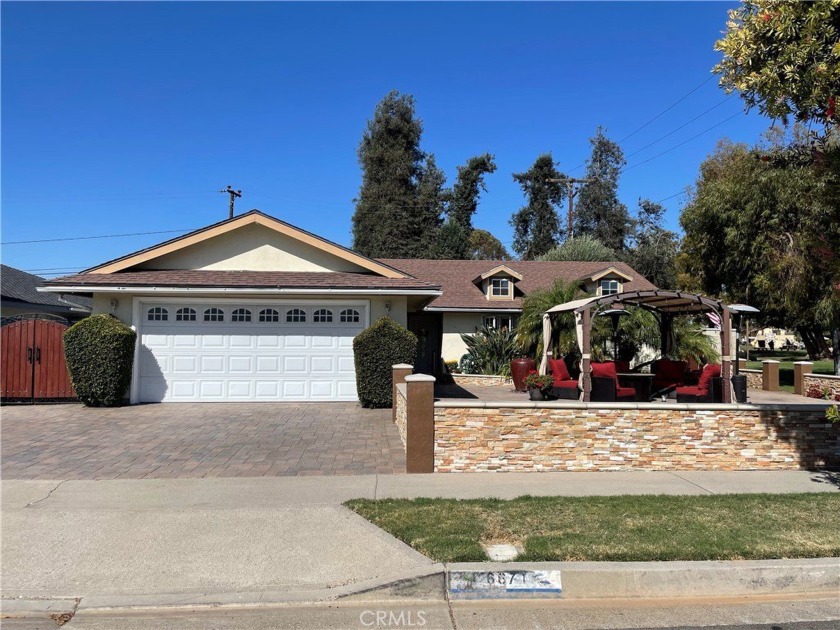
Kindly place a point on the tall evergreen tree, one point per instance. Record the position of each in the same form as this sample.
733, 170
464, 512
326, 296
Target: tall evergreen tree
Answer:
598, 212
654, 248
463, 198
536, 226
398, 209
461, 202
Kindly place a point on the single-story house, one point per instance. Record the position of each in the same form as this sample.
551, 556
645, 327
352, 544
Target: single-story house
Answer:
489, 293
19, 295
252, 308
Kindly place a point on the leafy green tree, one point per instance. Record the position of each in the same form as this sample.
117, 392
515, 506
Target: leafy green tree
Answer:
464, 195
536, 226
583, 247
784, 58
599, 213
452, 242
654, 248
398, 208
761, 228
485, 246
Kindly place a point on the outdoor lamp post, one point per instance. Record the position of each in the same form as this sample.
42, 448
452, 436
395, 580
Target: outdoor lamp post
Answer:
739, 381
614, 314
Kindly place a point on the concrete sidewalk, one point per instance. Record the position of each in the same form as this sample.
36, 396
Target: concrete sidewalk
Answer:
185, 541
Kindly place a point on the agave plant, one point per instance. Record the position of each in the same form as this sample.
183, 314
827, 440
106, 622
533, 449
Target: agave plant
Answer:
489, 351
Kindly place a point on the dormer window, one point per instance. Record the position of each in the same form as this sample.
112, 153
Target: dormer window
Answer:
500, 287
610, 287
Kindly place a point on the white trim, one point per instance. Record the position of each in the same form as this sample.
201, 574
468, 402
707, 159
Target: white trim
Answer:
136, 319
488, 309
237, 290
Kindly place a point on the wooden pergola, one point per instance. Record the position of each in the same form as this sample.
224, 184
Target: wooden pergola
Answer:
664, 304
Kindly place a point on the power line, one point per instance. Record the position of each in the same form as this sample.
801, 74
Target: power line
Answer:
666, 110
676, 146
85, 238
670, 133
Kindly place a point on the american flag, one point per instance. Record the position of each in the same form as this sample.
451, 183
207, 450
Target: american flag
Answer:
715, 319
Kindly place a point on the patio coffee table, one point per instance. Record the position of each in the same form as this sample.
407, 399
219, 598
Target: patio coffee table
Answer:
640, 382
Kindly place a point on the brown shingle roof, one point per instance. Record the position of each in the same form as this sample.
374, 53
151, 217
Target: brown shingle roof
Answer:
455, 278
243, 279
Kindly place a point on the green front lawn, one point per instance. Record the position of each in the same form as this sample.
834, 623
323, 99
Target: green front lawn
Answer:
623, 528
786, 360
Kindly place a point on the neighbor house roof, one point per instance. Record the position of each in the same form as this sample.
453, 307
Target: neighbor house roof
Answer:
188, 278
20, 286
456, 278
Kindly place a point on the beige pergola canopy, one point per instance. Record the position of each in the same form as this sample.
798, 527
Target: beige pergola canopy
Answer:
666, 304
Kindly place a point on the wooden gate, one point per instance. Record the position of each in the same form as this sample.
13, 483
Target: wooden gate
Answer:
32, 362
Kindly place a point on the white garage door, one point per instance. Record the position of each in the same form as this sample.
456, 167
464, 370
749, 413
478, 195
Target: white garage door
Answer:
242, 352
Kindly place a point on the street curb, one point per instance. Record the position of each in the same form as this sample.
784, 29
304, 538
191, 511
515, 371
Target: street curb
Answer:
580, 580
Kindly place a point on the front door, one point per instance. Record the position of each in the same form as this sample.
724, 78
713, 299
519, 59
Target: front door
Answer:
428, 328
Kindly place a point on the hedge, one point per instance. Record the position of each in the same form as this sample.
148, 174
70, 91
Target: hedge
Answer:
376, 349
100, 353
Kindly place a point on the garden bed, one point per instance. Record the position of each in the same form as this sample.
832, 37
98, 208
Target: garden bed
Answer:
624, 528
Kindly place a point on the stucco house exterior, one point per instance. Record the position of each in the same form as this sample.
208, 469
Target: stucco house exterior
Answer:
254, 309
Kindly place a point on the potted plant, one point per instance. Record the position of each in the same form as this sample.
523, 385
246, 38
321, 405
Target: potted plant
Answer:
537, 384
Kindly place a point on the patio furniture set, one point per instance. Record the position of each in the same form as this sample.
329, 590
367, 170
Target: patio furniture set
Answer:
666, 379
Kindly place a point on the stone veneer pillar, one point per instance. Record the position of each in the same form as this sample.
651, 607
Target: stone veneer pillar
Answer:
770, 375
420, 423
800, 369
398, 374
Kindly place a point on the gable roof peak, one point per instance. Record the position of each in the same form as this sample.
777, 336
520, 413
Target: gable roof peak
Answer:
253, 216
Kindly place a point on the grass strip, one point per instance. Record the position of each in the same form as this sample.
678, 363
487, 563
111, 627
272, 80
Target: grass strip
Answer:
619, 528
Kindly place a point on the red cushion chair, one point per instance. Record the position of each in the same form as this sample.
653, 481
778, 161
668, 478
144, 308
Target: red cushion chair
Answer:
564, 385
667, 375
622, 367
605, 385
708, 388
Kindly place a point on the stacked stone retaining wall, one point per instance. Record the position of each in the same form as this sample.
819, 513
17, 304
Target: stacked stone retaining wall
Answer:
602, 437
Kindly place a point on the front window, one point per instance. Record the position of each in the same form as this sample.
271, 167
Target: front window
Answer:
500, 287
507, 322
609, 287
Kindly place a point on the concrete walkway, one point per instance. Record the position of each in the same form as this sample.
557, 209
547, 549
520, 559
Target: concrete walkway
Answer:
190, 540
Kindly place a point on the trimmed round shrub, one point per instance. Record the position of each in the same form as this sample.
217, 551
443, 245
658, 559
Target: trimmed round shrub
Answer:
100, 353
376, 349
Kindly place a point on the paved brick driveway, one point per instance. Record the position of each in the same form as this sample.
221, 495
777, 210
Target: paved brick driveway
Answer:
198, 440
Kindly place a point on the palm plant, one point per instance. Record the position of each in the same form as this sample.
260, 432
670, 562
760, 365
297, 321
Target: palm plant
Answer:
489, 351
529, 330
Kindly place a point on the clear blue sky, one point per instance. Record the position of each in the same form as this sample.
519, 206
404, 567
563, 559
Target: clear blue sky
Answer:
129, 117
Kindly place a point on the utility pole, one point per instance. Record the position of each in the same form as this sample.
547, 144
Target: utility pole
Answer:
233, 195
570, 183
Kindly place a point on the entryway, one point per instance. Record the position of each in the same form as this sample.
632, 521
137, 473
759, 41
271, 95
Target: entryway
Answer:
32, 360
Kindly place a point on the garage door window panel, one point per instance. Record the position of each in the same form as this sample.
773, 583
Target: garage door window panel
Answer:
322, 316
349, 316
295, 316
158, 314
269, 315
240, 315
214, 315
185, 315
